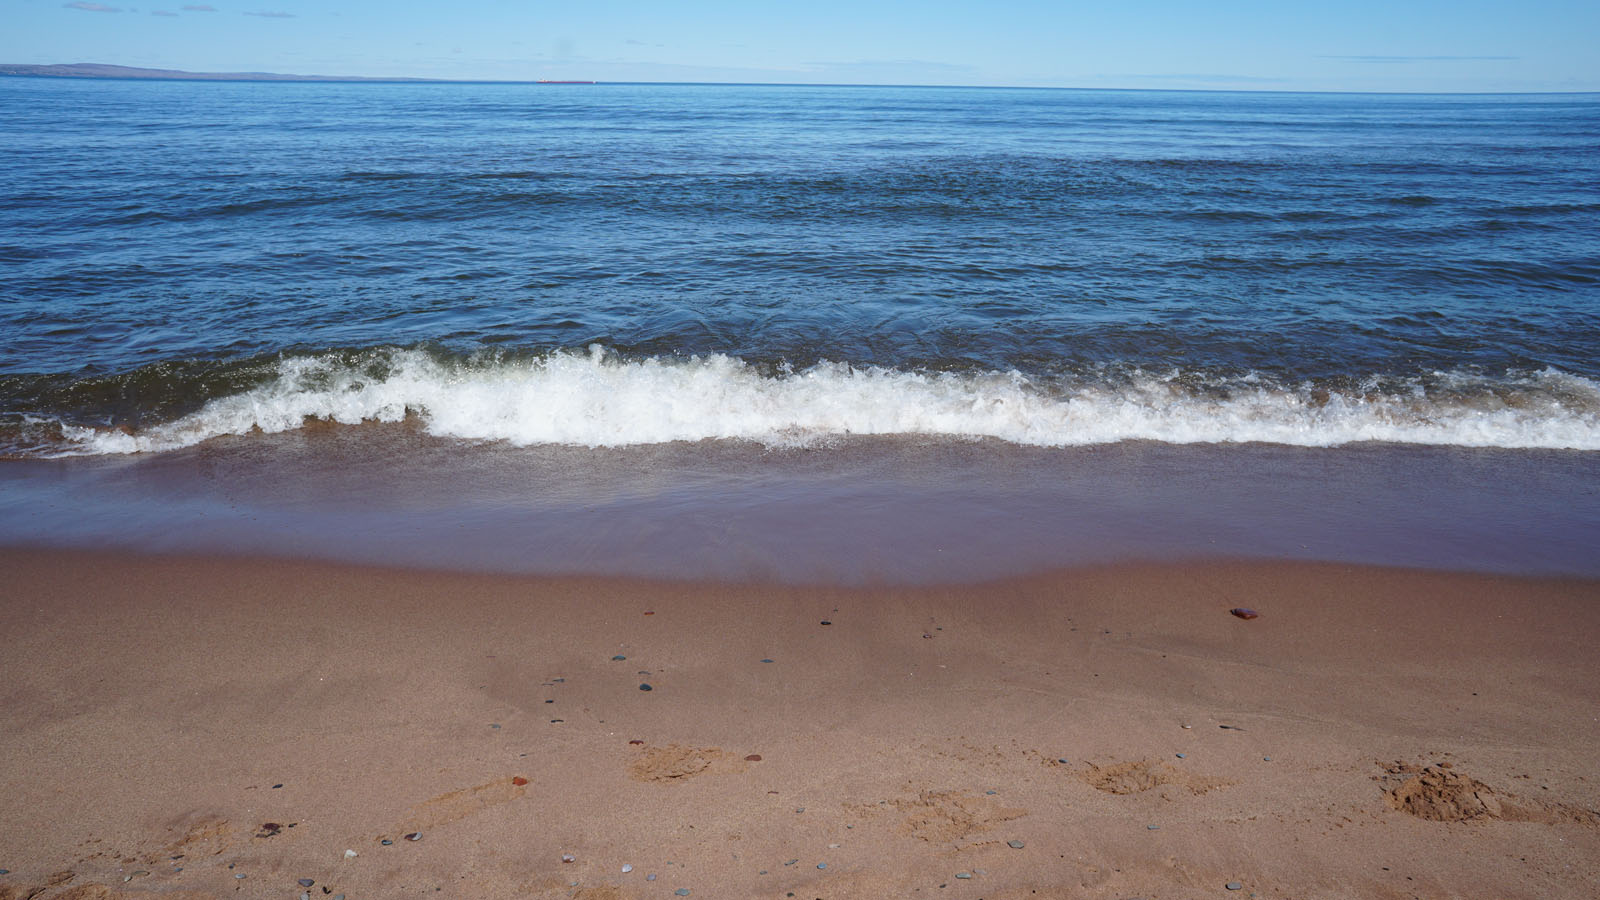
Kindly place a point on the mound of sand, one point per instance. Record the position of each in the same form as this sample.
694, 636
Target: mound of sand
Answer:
1438, 794
1443, 796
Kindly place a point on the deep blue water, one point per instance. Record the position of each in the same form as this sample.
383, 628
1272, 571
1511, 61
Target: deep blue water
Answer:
182, 259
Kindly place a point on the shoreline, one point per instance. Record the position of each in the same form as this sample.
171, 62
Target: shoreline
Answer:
153, 703
863, 512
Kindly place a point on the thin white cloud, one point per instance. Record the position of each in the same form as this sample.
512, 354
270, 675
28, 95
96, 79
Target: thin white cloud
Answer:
92, 7
1205, 77
271, 14
875, 66
1412, 59
163, 12
199, 7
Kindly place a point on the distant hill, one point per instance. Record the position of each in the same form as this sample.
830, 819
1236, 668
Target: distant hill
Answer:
102, 70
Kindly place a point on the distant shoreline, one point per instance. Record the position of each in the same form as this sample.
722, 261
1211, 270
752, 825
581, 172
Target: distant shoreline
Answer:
102, 70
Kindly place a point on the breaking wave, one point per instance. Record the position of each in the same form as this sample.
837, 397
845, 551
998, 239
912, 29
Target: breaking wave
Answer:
600, 399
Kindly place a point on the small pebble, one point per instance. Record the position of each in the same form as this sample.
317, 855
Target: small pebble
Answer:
791, 862
826, 622
963, 874
682, 892
650, 877
349, 854
305, 895
646, 687
1153, 827
127, 878
338, 897
1234, 886
833, 846
568, 857
305, 882
991, 792
238, 874
1266, 759
386, 842
766, 660
1015, 845
1062, 760
414, 836
822, 865
618, 658
1183, 756
5, 871
626, 868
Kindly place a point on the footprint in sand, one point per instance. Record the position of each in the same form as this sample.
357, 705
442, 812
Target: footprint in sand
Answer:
951, 816
204, 834
675, 762
457, 805
1142, 775
23, 892
944, 817
98, 892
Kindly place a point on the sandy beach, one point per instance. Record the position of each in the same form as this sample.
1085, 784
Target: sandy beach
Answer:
215, 727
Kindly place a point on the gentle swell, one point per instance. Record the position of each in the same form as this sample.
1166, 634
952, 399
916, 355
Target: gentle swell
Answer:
597, 399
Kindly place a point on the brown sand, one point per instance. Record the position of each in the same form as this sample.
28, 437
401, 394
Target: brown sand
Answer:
1429, 735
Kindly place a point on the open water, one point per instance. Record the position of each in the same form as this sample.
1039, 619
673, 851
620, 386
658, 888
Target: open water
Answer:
499, 266
623, 264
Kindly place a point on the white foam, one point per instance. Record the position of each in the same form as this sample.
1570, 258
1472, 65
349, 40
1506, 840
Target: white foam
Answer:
598, 400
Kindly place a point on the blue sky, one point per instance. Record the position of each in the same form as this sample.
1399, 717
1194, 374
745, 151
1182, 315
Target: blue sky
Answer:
1542, 45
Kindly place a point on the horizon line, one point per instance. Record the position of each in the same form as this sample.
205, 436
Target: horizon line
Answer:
285, 78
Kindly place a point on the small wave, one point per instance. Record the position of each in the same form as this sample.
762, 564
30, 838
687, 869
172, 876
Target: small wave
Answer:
599, 399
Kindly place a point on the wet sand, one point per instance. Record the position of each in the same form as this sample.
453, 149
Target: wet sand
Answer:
863, 511
168, 724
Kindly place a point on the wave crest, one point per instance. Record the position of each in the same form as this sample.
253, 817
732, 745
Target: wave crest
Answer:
599, 399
